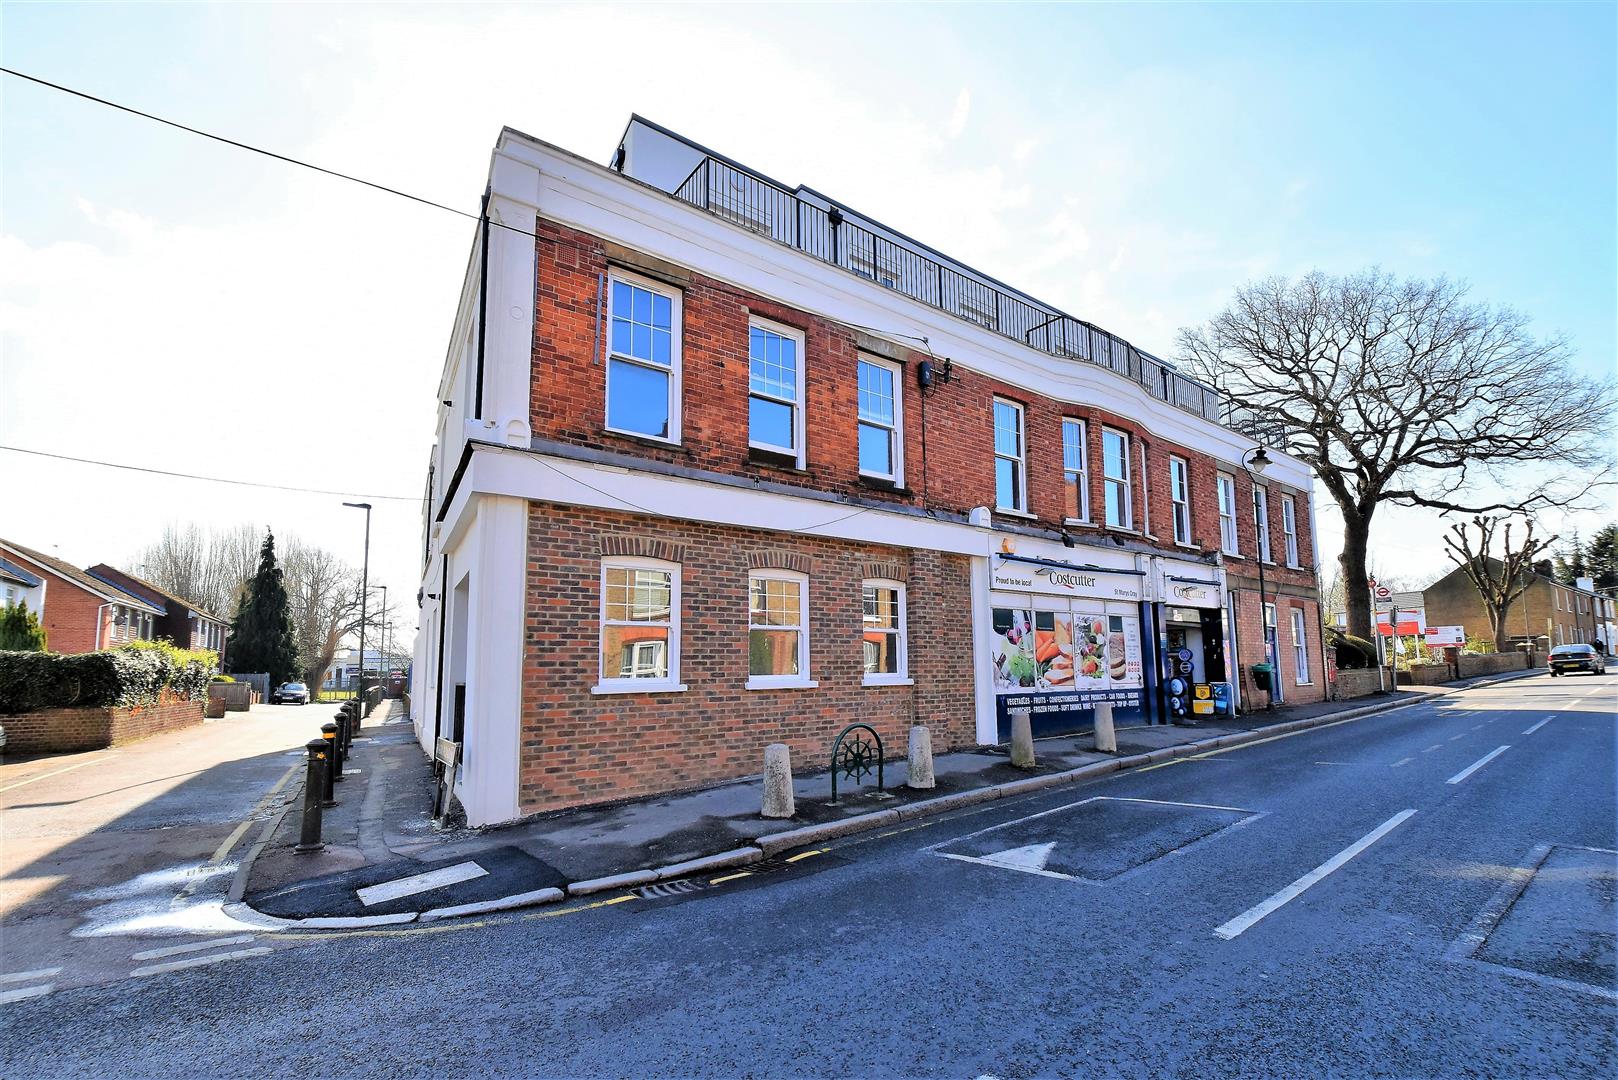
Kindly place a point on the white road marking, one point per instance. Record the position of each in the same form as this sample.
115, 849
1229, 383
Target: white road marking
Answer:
1452, 738
1435, 746
199, 961
1403, 761
409, 886
30, 976
1478, 764
1246, 919
25, 992
1032, 857
1539, 725
195, 946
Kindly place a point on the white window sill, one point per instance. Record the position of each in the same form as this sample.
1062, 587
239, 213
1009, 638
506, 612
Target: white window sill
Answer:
641, 435
887, 680
896, 481
648, 687
1083, 523
775, 684
1233, 555
1123, 529
1016, 513
1188, 547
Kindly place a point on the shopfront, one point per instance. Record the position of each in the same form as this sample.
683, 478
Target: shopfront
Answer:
1193, 678
1066, 634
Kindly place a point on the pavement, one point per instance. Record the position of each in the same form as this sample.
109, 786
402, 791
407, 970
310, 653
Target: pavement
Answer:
1425, 892
383, 831
118, 851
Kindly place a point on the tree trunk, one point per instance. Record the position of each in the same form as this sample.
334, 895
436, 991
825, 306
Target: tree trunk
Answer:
1356, 597
1502, 639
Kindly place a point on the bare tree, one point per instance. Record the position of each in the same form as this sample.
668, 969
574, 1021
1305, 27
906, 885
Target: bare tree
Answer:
325, 597
1405, 392
1499, 581
208, 568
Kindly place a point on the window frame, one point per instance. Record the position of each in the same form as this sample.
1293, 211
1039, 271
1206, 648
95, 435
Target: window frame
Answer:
900, 634
1127, 480
1300, 648
790, 333
1083, 470
1230, 539
1289, 529
674, 371
1180, 504
801, 680
1261, 524
614, 684
896, 432
1020, 460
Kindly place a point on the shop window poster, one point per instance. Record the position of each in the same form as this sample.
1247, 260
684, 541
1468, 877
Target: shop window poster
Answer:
1012, 649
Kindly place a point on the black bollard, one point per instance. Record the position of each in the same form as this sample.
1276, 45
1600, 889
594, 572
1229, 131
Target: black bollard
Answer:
314, 788
344, 735
333, 765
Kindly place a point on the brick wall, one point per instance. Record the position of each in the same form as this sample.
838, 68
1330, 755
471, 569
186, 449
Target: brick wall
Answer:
568, 405
1250, 640
580, 748
1358, 684
63, 730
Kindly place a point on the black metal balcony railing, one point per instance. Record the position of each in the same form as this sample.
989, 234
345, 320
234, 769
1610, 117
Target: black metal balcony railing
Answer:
757, 204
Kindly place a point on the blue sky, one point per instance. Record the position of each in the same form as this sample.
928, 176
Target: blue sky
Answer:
1132, 163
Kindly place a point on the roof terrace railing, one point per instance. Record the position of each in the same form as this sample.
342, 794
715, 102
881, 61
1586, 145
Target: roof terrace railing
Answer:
757, 204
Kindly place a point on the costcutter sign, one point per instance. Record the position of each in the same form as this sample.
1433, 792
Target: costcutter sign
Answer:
1065, 581
1183, 592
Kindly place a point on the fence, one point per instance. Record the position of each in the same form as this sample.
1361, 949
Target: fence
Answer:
824, 232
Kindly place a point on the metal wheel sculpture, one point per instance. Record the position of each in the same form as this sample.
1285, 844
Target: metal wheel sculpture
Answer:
857, 756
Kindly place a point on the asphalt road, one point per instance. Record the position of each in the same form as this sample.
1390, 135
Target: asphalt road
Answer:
1392, 896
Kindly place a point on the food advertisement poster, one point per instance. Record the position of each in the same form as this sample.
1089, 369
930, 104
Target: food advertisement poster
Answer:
1060, 663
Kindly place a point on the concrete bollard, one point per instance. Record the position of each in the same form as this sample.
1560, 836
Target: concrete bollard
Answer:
1022, 739
921, 758
778, 800
1106, 740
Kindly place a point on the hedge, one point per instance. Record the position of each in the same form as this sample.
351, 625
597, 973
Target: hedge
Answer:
130, 675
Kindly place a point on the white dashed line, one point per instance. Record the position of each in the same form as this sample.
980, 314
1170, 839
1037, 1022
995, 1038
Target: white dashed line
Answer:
1435, 746
195, 946
1478, 764
1253, 914
30, 976
1539, 725
1403, 761
199, 961
25, 992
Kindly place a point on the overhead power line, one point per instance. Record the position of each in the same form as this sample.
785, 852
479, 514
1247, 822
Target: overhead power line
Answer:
209, 479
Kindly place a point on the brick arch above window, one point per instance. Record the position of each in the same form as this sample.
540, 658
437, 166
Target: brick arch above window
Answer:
779, 560
891, 571
645, 547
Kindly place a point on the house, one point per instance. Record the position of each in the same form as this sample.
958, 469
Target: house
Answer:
183, 623
18, 586
1547, 614
343, 674
80, 612
722, 463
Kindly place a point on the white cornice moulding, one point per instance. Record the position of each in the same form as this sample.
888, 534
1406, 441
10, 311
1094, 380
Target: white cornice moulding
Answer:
596, 200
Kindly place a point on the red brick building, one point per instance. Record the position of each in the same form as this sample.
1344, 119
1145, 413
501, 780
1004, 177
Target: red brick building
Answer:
82, 613
183, 623
722, 464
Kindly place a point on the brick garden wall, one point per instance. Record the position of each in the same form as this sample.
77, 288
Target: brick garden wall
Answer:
63, 730
580, 748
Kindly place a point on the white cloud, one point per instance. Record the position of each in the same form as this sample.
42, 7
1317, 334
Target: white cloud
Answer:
963, 110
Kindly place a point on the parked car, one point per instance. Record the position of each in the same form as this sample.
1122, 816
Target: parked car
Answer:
1566, 658
292, 693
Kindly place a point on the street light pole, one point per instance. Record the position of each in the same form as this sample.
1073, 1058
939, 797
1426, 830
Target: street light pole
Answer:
365, 584
382, 665
1255, 466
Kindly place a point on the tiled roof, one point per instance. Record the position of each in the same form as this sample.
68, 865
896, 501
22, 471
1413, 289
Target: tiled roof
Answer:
83, 580
164, 593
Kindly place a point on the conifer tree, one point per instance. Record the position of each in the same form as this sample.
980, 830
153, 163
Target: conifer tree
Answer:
20, 630
261, 635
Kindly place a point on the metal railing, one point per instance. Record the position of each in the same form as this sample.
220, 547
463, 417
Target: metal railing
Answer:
754, 203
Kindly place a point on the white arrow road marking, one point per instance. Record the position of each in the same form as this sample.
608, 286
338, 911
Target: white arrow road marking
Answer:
1031, 857
1478, 764
409, 886
1253, 914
